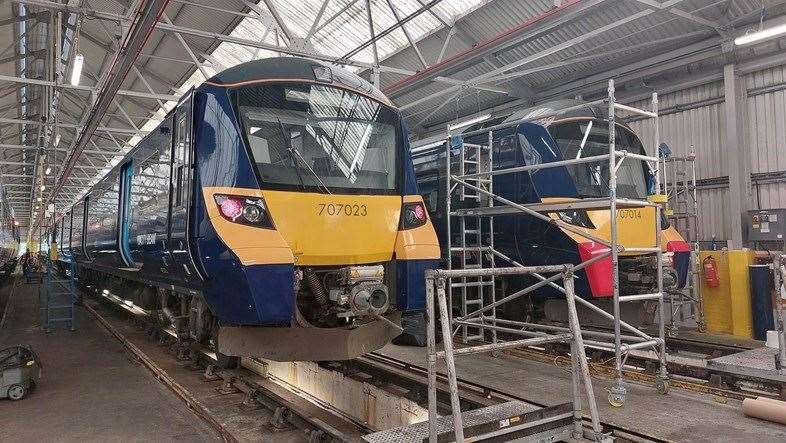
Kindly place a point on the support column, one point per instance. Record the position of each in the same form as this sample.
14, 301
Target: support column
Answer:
736, 151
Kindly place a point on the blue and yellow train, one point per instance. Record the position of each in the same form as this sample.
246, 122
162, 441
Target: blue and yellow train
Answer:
274, 211
532, 241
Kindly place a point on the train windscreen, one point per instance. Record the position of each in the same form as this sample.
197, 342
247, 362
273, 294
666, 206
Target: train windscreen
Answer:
317, 137
587, 138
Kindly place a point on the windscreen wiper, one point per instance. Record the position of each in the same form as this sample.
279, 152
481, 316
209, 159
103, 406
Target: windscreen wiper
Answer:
303, 160
291, 156
294, 152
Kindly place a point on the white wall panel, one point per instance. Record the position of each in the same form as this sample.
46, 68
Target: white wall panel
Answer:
713, 210
769, 196
703, 127
767, 131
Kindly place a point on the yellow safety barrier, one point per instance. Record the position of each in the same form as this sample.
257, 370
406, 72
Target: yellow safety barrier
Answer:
727, 308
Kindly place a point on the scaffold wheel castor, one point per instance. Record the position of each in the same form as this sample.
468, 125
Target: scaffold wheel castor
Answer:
662, 385
701, 326
16, 392
617, 395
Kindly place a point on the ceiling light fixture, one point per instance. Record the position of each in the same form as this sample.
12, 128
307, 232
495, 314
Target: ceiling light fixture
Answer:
758, 36
76, 70
471, 121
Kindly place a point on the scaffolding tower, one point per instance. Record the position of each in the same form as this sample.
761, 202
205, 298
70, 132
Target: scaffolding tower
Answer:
682, 210
469, 185
512, 420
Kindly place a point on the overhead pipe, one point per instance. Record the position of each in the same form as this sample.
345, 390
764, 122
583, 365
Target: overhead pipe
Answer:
145, 18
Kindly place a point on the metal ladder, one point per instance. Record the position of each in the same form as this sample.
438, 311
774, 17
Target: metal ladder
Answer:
58, 296
682, 210
476, 239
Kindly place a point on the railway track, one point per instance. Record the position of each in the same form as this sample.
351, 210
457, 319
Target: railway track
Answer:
686, 366
295, 406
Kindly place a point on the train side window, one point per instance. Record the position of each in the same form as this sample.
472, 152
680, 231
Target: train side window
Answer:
430, 200
531, 155
179, 160
179, 194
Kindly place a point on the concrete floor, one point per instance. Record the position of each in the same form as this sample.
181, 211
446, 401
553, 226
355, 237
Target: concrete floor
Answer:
679, 416
91, 390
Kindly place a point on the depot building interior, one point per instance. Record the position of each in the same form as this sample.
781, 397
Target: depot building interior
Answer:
393, 220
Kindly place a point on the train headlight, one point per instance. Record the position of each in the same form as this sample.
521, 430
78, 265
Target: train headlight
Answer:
413, 215
576, 218
250, 211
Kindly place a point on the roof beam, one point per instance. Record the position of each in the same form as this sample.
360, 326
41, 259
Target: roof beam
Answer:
188, 50
534, 57
669, 7
134, 39
20, 121
122, 92
274, 12
182, 30
387, 31
529, 29
18, 18
406, 34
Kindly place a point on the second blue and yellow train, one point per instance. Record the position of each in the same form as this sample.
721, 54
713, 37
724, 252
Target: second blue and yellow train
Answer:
533, 241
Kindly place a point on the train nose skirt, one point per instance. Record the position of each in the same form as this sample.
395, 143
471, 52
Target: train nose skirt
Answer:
315, 344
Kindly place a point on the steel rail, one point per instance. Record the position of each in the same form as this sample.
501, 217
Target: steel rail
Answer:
270, 395
192, 403
470, 389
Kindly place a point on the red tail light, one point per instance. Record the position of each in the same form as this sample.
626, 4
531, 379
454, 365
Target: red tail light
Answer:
413, 215
250, 211
231, 208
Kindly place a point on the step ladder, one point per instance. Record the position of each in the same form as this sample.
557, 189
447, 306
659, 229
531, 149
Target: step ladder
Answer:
475, 248
682, 211
58, 296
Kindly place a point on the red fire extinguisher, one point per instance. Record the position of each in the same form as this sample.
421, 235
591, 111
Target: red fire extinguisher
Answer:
710, 272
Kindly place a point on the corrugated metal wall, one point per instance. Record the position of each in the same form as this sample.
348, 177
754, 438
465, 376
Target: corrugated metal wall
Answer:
695, 117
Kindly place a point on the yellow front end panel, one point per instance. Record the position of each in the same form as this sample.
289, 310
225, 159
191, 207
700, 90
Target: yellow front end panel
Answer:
635, 226
325, 229
420, 243
252, 245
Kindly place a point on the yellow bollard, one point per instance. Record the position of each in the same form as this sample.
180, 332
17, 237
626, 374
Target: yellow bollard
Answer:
727, 308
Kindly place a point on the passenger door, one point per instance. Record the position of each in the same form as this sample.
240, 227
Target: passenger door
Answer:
180, 189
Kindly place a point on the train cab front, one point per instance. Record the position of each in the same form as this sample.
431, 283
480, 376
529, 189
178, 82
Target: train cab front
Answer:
334, 240
636, 225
